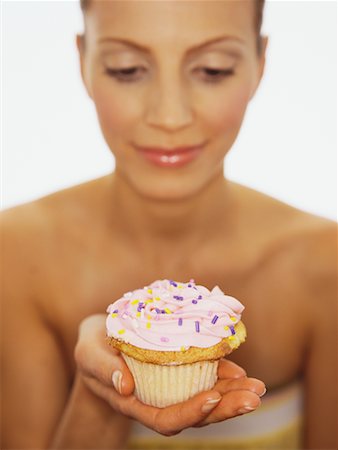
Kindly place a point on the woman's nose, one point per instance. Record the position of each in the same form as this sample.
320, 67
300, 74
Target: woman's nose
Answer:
168, 105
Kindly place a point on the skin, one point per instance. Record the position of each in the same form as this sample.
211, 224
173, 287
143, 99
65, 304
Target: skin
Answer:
70, 254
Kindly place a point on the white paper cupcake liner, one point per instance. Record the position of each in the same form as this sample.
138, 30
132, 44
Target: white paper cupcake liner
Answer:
164, 385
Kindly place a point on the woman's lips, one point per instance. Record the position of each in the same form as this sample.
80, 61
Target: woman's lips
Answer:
176, 157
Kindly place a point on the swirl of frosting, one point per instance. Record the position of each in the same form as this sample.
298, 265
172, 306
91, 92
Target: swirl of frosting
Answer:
171, 316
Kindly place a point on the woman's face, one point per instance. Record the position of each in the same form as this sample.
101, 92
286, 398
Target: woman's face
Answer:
190, 69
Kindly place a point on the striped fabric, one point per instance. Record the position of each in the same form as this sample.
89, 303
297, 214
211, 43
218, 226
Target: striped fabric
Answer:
276, 424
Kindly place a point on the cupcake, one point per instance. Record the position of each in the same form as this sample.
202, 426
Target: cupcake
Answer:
172, 336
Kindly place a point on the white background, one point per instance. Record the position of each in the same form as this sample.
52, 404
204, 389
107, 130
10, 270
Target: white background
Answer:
51, 137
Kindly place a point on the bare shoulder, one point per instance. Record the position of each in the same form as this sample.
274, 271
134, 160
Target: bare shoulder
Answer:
35, 233
306, 242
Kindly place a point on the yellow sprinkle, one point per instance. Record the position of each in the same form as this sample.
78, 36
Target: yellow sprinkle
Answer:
231, 338
138, 314
233, 319
149, 317
167, 310
150, 291
226, 327
134, 302
180, 286
121, 331
157, 298
148, 325
113, 314
182, 349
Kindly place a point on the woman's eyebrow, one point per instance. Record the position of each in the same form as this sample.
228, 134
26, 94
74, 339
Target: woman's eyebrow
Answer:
191, 50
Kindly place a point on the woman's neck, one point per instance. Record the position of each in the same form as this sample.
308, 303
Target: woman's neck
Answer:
158, 223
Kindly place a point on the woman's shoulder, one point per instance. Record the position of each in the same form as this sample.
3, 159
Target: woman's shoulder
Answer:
308, 239
45, 213
34, 232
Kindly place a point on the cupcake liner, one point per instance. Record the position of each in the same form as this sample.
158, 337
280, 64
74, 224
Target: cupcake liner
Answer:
164, 385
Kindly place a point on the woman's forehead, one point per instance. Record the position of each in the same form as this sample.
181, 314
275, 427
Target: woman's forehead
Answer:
169, 20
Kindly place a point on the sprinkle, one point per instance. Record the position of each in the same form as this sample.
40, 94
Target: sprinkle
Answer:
231, 338
167, 310
180, 286
140, 306
164, 339
113, 314
148, 325
233, 319
199, 297
194, 301
150, 291
138, 314
214, 320
232, 329
149, 317
178, 297
226, 327
157, 298
121, 331
197, 326
134, 302
173, 283
189, 285
182, 349
115, 311
158, 310
180, 321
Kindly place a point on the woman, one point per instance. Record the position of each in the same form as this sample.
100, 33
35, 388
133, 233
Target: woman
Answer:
162, 76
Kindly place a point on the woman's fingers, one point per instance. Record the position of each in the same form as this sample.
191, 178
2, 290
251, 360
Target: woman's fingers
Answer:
233, 403
96, 359
172, 419
244, 383
228, 369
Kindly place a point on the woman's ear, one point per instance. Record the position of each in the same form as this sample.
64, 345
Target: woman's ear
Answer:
80, 44
261, 64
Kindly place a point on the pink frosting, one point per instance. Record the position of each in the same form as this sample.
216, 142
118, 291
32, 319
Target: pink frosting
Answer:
169, 316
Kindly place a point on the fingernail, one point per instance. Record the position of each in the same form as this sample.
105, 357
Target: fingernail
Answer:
117, 381
245, 409
210, 404
261, 395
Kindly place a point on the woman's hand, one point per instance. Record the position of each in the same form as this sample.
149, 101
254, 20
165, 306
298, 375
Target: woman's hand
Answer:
104, 371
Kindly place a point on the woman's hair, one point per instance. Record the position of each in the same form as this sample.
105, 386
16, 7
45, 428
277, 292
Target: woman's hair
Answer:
259, 7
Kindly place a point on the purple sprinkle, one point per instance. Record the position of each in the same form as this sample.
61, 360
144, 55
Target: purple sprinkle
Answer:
115, 311
232, 329
173, 283
197, 326
189, 285
164, 339
180, 321
178, 297
194, 301
163, 312
199, 297
158, 310
214, 320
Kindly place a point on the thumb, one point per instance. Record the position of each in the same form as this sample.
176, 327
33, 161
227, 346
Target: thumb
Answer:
96, 359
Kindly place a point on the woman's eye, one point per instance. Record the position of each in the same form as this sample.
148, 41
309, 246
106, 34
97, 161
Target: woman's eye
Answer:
125, 75
214, 75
